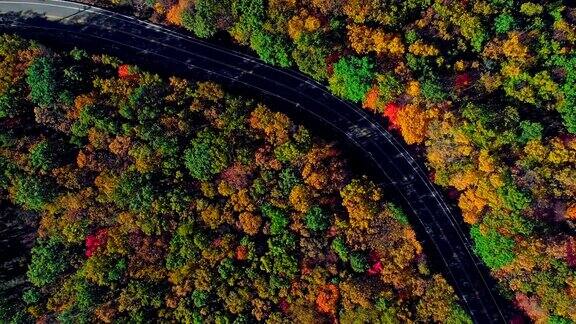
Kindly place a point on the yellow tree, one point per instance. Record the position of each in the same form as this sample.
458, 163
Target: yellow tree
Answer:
371, 99
419, 48
323, 169
300, 198
471, 205
364, 39
514, 47
302, 22
413, 124
250, 223
571, 212
437, 303
360, 10
275, 125
327, 6
360, 38
174, 15
361, 199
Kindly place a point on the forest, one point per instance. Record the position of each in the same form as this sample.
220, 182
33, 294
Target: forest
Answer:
171, 200
486, 89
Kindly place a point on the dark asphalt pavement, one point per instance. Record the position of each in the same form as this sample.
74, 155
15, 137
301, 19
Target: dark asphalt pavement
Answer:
441, 230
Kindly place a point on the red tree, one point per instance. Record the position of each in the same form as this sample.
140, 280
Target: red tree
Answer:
241, 253
283, 305
391, 112
462, 81
125, 71
94, 241
376, 264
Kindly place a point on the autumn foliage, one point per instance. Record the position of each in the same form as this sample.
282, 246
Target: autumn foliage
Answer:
485, 89
125, 71
326, 299
174, 14
172, 200
371, 99
95, 241
391, 111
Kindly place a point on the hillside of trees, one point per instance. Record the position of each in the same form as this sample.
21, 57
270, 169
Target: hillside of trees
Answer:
487, 88
172, 200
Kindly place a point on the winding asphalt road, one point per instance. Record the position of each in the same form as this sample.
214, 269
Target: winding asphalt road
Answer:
299, 96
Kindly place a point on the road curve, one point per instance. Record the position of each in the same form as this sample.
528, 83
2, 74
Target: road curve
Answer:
129, 38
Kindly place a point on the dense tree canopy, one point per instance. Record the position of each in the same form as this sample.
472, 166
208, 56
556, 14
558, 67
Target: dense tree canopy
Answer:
487, 87
174, 201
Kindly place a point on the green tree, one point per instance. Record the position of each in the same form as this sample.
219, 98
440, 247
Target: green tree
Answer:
558, 320
279, 259
339, 246
514, 198
10, 104
43, 82
117, 271
249, 16
398, 214
7, 170
310, 55
287, 152
389, 87
32, 193
138, 297
31, 296
85, 299
358, 262
93, 116
135, 191
503, 23
287, 180
182, 247
143, 104
278, 219
47, 263
514, 223
272, 48
316, 219
352, 77
495, 249
203, 20
432, 90
226, 268
208, 154
458, 316
568, 106
530, 131
199, 298
42, 156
